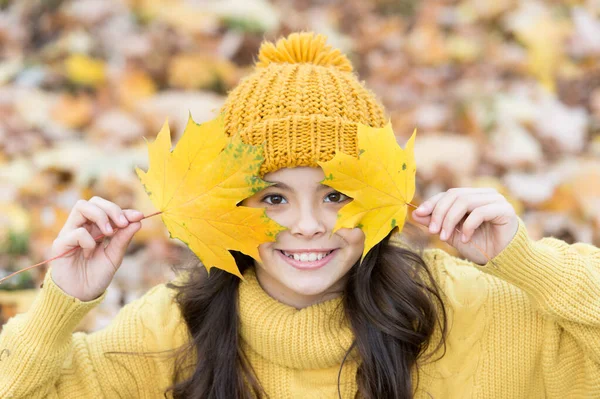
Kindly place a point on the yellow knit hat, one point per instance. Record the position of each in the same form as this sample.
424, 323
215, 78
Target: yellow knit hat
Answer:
302, 101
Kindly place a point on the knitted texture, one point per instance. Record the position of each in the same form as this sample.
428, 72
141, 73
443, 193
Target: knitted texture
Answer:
525, 327
302, 101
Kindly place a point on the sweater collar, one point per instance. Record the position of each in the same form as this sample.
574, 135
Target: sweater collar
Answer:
311, 338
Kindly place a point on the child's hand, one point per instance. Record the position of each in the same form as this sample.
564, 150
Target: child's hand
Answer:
483, 215
86, 272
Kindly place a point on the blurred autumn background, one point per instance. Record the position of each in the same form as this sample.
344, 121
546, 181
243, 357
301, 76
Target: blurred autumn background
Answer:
504, 93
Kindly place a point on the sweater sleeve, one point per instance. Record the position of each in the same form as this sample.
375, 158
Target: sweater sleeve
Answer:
562, 281
41, 357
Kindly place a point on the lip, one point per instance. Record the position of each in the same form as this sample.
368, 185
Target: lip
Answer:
299, 251
307, 265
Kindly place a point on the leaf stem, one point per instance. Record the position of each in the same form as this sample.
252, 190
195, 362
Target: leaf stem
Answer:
66, 252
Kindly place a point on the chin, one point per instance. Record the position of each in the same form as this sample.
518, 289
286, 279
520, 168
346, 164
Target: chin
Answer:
310, 286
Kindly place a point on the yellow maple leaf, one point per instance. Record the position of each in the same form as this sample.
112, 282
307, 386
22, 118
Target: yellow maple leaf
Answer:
381, 182
198, 186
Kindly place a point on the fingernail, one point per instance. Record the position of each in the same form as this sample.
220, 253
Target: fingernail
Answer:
432, 228
138, 214
421, 208
464, 238
443, 235
109, 228
123, 220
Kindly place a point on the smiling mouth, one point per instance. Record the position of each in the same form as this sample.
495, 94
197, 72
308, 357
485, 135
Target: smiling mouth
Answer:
307, 256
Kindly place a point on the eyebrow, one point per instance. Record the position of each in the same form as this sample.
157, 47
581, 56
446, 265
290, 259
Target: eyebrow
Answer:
284, 186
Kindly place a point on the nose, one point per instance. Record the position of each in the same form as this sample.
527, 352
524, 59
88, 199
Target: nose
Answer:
308, 223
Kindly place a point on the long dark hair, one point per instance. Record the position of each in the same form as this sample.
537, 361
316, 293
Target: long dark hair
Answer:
391, 299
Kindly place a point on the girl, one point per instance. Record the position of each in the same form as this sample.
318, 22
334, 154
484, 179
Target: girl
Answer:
310, 320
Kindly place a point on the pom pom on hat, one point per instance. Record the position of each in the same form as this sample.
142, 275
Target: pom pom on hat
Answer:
303, 47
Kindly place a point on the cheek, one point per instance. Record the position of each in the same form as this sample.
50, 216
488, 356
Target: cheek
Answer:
331, 216
287, 217
355, 239
354, 236
263, 249
281, 217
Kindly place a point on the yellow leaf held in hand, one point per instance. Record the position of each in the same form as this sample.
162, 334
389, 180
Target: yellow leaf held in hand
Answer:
381, 182
197, 187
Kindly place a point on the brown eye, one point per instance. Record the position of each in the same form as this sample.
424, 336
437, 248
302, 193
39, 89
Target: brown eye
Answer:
336, 197
273, 199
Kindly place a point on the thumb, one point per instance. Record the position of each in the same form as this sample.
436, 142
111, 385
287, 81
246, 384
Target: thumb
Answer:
120, 241
424, 220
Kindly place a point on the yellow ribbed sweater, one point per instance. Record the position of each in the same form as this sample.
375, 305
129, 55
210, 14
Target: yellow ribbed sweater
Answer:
526, 327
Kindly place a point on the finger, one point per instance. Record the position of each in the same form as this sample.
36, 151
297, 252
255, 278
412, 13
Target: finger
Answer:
426, 207
443, 205
113, 210
133, 215
463, 205
79, 237
94, 230
486, 213
85, 212
440, 209
118, 244
424, 220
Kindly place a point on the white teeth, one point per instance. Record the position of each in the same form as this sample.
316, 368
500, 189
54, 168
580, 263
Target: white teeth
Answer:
307, 257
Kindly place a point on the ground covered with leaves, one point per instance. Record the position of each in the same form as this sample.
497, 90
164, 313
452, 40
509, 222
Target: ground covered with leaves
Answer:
504, 94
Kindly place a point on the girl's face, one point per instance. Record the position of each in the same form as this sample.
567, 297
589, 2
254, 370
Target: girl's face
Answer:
307, 264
